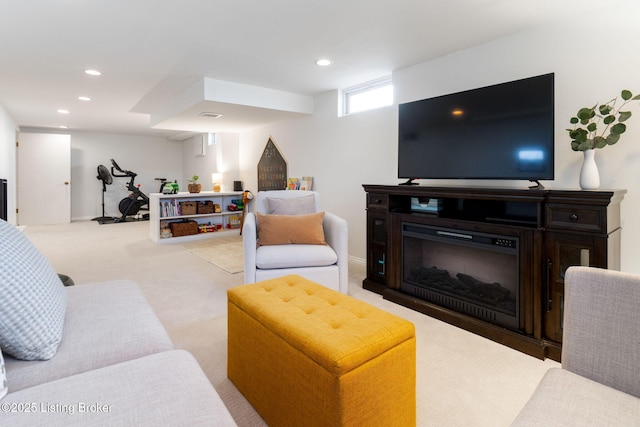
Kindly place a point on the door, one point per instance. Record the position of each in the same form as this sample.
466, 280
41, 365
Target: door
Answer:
44, 179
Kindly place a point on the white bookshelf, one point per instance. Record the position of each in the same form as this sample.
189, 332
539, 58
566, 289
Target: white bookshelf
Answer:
160, 214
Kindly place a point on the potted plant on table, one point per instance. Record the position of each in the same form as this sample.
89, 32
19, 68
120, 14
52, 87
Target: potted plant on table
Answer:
193, 186
597, 127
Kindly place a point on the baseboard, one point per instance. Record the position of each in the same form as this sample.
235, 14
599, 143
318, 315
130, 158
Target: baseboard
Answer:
358, 260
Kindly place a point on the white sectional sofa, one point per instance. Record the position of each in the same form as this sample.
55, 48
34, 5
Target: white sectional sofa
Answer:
598, 384
96, 353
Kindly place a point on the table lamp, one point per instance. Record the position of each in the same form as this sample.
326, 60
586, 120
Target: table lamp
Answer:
216, 179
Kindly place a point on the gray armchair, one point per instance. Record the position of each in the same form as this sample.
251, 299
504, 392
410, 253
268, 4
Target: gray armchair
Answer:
599, 382
324, 264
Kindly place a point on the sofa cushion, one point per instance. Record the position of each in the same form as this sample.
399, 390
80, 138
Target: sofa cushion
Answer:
32, 299
293, 256
601, 324
290, 229
3, 378
106, 323
565, 399
291, 206
164, 389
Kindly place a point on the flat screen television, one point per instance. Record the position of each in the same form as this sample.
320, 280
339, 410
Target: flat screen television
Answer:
503, 131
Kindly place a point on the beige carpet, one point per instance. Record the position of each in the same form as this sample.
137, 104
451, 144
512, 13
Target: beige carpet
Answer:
462, 379
224, 252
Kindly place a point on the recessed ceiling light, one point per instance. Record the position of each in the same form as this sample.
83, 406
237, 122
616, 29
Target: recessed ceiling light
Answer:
323, 62
84, 98
63, 111
93, 72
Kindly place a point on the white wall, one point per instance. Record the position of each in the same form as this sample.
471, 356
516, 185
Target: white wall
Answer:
149, 157
341, 153
593, 58
222, 157
8, 130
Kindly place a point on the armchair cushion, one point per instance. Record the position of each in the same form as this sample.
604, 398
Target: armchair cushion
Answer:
294, 256
291, 229
291, 206
261, 204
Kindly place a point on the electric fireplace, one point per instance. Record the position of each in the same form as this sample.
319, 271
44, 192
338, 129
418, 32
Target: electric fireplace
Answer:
470, 272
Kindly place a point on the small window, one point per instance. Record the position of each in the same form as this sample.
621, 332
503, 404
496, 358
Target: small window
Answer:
374, 94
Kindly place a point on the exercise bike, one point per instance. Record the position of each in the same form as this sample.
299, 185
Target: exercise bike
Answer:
136, 201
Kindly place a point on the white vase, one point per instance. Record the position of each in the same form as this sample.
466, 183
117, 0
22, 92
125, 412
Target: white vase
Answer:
589, 175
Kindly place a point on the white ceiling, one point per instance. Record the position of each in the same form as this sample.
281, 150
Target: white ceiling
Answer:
153, 53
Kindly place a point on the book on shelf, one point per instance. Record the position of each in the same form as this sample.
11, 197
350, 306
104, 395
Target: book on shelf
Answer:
170, 208
304, 183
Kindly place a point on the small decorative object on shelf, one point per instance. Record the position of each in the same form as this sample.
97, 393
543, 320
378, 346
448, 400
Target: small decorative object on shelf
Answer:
234, 221
206, 228
170, 187
596, 127
193, 186
589, 174
236, 205
216, 178
304, 183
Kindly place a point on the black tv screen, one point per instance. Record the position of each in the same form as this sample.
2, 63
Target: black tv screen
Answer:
504, 131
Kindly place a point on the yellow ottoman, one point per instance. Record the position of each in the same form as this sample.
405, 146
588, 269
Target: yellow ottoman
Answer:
305, 355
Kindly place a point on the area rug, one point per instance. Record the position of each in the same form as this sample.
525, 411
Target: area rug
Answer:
223, 252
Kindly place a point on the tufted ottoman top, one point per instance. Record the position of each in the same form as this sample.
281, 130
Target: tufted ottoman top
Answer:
335, 330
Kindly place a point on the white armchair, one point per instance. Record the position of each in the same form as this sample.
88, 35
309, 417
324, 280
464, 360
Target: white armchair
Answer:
324, 264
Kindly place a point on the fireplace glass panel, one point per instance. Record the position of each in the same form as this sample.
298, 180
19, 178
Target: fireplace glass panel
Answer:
473, 273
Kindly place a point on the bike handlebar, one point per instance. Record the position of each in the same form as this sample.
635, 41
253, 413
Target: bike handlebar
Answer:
125, 172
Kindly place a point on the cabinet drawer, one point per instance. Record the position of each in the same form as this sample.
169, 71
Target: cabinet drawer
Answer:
378, 201
576, 217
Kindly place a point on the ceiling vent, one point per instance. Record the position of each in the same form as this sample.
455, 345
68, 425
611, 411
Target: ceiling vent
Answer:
210, 115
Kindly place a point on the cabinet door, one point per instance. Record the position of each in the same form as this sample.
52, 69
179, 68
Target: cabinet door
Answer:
563, 251
377, 224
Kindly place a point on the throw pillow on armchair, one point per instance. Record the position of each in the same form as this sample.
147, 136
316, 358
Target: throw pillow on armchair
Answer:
290, 229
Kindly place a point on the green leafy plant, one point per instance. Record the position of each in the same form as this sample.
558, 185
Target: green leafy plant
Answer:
600, 125
194, 179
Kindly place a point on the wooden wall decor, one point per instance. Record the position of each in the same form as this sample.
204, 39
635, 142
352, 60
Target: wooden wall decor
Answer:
272, 169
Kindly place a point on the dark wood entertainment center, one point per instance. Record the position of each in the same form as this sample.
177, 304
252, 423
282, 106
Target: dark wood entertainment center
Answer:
543, 230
